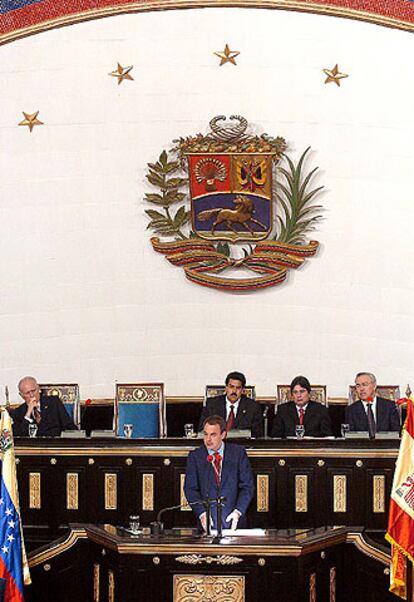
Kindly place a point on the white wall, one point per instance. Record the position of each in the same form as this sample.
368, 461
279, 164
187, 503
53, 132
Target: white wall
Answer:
84, 298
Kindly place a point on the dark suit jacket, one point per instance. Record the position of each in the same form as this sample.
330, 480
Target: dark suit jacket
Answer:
54, 418
237, 484
249, 414
316, 420
386, 419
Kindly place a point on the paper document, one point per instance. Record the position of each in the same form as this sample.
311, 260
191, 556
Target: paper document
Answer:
241, 532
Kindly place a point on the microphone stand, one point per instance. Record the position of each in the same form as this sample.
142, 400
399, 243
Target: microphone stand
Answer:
157, 527
266, 422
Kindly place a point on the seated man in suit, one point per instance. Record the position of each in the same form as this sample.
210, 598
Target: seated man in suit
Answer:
314, 416
219, 469
239, 411
381, 413
48, 412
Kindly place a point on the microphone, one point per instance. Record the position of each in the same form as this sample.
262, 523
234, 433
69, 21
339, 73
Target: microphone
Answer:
265, 422
157, 527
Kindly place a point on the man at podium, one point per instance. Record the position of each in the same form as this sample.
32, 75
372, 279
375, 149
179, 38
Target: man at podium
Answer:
219, 469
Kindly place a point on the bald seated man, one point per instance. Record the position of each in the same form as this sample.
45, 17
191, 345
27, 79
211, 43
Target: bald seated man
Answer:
48, 412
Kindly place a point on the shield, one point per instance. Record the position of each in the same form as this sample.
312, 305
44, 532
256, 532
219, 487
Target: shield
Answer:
231, 195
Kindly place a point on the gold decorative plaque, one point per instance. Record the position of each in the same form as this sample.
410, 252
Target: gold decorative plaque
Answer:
148, 491
332, 584
72, 491
378, 494
214, 588
110, 491
35, 501
96, 569
339, 493
262, 488
312, 588
111, 586
183, 499
301, 493
221, 559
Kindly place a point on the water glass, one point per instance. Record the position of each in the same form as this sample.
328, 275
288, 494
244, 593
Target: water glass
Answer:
344, 430
189, 430
32, 429
128, 430
300, 431
134, 524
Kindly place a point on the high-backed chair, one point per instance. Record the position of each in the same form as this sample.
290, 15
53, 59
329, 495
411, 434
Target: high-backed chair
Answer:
318, 394
216, 390
386, 391
143, 406
69, 396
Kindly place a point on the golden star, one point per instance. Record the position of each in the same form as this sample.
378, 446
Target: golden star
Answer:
122, 73
334, 75
30, 119
227, 56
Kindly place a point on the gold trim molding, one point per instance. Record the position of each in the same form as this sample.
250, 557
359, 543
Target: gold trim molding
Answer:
96, 571
72, 491
148, 6
148, 491
378, 494
332, 584
214, 588
111, 586
35, 498
183, 499
301, 493
339, 493
111, 490
222, 559
312, 587
262, 495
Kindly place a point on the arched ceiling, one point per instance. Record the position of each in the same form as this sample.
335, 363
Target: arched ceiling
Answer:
19, 18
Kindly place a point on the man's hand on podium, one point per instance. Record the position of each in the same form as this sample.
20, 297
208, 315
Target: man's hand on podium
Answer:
234, 518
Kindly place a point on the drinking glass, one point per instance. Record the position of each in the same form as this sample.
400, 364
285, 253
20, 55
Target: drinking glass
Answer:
32, 429
189, 430
300, 431
344, 430
134, 523
128, 430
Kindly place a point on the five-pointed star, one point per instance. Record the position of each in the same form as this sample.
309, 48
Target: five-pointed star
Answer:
122, 73
227, 56
30, 119
334, 75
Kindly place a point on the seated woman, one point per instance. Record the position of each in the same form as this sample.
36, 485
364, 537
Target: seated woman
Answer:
312, 415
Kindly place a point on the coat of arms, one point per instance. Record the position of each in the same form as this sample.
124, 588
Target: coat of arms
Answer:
248, 208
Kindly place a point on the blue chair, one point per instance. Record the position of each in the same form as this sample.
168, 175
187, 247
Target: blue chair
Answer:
141, 405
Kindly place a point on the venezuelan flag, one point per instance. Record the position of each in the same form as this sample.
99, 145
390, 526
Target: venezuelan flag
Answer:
14, 569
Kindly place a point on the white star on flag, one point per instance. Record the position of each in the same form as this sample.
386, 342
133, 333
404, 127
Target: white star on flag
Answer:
10, 538
11, 524
5, 549
9, 512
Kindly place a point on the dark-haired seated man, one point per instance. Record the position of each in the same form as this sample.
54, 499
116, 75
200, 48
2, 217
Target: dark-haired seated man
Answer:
238, 411
383, 414
301, 411
219, 469
48, 412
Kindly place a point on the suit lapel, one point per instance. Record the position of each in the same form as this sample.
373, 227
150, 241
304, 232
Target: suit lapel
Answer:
240, 412
225, 465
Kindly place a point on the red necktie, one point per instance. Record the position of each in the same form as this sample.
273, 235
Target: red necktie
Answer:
301, 415
217, 467
230, 419
36, 415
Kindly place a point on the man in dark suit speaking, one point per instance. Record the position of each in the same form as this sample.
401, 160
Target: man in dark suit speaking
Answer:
47, 412
219, 469
237, 410
371, 413
301, 411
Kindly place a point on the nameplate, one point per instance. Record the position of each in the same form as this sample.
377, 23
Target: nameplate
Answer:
73, 434
387, 435
357, 435
106, 434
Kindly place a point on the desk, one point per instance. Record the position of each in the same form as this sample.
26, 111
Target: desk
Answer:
100, 563
298, 483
